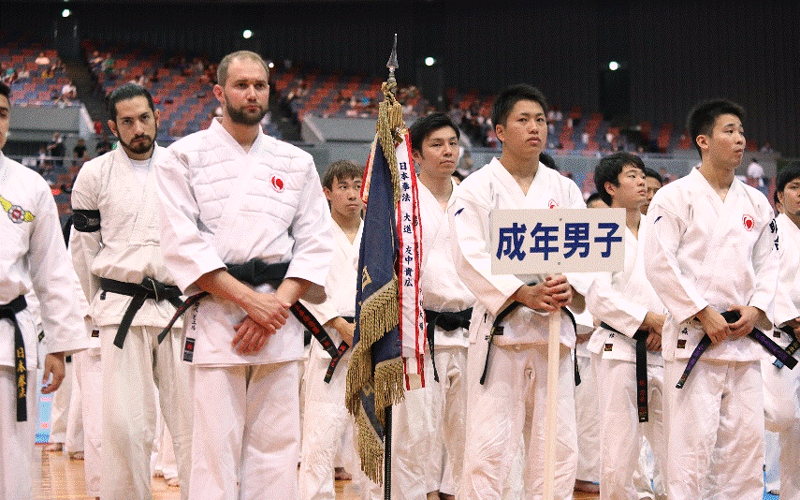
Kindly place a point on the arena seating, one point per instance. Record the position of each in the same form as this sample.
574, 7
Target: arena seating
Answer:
34, 83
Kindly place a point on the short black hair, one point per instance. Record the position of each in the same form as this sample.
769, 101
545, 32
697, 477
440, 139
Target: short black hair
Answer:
787, 175
649, 172
512, 95
609, 168
703, 115
594, 197
548, 161
342, 170
6, 91
125, 92
424, 126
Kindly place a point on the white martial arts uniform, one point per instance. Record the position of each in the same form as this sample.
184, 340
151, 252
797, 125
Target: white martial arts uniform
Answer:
326, 417
703, 251
511, 404
782, 387
587, 410
126, 249
621, 300
443, 291
221, 205
32, 256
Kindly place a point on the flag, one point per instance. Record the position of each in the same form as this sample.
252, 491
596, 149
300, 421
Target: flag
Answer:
389, 334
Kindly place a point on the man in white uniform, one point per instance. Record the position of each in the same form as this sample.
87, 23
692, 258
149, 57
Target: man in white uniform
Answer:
712, 249
447, 302
627, 365
116, 251
510, 405
782, 386
32, 256
231, 196
326, 418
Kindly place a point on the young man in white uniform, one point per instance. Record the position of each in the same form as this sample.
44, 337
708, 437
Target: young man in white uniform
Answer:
632, 317
712, 248
32, 256
511, 403
326, 418
116, 252
447, 301
782, 386
231, 196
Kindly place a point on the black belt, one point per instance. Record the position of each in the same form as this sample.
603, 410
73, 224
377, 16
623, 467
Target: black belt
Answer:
147, 289
255, 272
447, 321
641, 369
9, 312
497, 329
756, 334
791, 348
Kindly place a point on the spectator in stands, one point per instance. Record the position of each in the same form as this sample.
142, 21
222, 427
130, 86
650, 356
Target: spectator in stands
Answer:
68, 92
103, 145
755, 174
45, 163
108, 66
56, 149
79, 152
42, 60
766, 148
96, 61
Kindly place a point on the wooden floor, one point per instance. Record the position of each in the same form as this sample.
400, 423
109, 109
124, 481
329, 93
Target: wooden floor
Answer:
58, 477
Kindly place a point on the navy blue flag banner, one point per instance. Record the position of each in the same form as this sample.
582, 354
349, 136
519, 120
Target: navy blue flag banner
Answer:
389, 334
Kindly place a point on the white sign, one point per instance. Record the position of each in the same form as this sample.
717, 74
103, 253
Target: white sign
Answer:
533, 241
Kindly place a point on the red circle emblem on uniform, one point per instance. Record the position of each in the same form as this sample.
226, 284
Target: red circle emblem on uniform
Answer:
277, 183
748, 222
552, 204
16, 214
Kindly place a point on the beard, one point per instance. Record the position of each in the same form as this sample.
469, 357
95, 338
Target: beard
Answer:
243, 117
142, 146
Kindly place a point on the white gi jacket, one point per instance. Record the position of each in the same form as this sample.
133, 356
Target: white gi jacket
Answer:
442, 288
341, 283
33, 255
220, 204
492, 187
703, 251
622, 300
787, 296
126, 248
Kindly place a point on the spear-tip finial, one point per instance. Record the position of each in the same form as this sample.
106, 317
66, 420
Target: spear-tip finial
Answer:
392, 63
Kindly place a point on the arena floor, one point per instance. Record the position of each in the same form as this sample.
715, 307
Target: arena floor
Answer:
58, 477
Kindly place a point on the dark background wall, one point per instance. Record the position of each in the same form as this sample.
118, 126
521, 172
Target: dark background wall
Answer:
672, 53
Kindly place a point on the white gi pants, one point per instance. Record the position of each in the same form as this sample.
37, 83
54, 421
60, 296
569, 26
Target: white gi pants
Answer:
512, 405
130, 377
87, 365
59, 410
410, 448
245, 442
714, 429
326, 420
782, 415
448, 410
16, 438
621, 432
587, 413
73, 439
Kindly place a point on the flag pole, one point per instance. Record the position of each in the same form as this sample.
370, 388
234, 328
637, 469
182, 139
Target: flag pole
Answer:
392, 65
